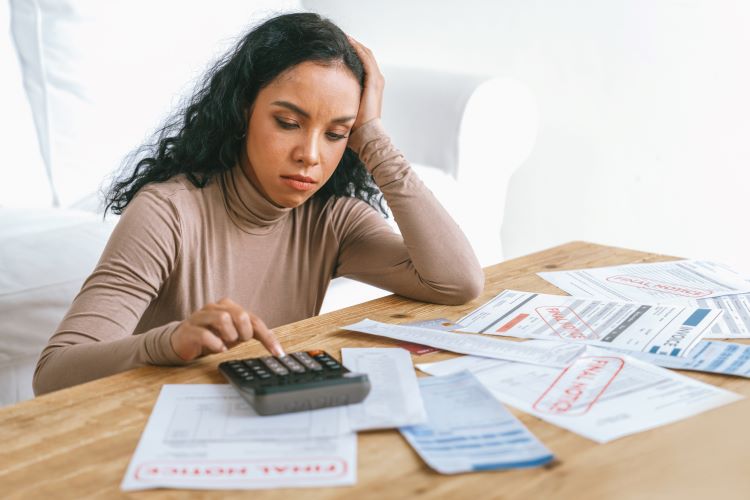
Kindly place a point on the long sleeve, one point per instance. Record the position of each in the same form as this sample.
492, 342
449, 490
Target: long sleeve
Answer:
431, 260
95, 338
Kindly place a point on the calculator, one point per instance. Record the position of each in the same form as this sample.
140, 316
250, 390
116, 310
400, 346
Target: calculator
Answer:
298, 381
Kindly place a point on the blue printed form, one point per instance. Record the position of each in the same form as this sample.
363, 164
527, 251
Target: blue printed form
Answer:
469, 430
726, 358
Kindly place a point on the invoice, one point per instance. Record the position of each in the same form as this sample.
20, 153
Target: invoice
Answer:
469, 430
658, 329
602, 395
691, 283
395, 399
205, 436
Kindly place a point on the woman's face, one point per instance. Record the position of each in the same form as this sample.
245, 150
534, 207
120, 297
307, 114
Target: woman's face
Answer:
298, 130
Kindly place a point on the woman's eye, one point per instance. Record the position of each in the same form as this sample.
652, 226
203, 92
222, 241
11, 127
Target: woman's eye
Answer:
286, 125
291, 125
336, 137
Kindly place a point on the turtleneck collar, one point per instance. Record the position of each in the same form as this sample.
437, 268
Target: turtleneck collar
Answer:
246, 206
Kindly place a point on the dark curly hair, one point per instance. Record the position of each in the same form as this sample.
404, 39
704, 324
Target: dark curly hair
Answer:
206, 136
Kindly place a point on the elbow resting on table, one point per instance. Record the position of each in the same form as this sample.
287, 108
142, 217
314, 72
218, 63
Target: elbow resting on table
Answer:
40, 383
465, 289
45, 378
472, 288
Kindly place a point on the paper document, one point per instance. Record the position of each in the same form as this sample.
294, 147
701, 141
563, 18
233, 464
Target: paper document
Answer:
734, 322
679, 279
547, 354
669, 330
711, 356
394, 398
205, 436
434, 324
691, 283
469, 430
602, 395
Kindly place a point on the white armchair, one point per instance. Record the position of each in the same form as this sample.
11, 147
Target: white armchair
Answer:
465, 135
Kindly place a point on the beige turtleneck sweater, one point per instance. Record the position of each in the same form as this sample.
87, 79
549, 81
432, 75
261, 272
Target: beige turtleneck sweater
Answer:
178, 247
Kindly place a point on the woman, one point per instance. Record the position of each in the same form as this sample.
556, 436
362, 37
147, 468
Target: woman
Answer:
251, 200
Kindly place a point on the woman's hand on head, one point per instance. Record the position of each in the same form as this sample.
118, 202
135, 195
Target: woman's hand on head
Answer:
219, 326
371, 102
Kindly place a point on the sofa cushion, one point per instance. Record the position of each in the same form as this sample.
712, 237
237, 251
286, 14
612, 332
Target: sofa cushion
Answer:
45, 255
120, 67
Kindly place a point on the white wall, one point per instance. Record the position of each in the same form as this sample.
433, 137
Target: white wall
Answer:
645, 111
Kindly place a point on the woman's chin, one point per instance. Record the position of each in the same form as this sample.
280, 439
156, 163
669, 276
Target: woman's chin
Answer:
291, 200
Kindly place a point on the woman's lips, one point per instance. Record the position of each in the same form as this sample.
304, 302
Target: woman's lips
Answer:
299, 182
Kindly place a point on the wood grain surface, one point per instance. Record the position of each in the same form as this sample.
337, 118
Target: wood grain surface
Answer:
77, 443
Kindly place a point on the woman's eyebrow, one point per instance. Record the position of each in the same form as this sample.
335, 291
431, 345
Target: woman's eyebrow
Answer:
297, 109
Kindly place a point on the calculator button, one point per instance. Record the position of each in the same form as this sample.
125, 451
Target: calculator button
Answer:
274, 365
306, 360
326, 360
292, 364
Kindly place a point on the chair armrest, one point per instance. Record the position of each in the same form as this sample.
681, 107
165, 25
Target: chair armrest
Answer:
477, 128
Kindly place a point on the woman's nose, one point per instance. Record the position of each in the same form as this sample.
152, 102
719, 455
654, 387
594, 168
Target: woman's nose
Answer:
308, 152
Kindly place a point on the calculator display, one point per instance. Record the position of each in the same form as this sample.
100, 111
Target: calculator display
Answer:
299, 381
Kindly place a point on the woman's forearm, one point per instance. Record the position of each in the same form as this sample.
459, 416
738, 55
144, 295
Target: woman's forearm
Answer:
69, 360
439, 251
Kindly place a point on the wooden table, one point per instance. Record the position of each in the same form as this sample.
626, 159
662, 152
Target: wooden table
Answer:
78, 442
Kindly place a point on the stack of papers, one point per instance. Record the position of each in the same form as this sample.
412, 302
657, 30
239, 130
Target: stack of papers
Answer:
628, 322
593, 363
683, 282
601, 396
657, 329
208, 437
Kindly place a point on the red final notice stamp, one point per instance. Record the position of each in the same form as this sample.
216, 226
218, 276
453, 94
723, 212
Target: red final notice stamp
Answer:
579, 386
659, 286
226, 471
566, 323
